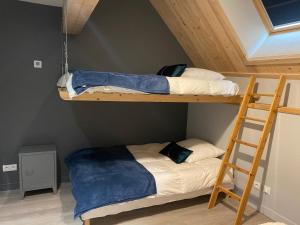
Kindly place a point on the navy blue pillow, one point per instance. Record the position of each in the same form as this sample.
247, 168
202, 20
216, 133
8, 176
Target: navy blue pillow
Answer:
175, 152
172, 71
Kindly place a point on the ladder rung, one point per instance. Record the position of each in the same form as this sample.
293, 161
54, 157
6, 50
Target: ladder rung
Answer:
260, 106
254, 119
263, 95
237, 168
246, 143
229, 193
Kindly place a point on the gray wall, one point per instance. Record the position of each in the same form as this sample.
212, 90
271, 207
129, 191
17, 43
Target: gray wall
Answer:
125, 36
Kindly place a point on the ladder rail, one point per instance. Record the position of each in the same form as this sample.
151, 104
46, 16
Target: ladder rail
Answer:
234, 134
268, 124
260, 149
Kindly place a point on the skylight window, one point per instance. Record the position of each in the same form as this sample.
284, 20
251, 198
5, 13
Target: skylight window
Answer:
280, 15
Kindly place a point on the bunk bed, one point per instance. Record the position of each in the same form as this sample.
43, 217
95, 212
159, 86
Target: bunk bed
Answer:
106, 86
128, 97
108, 181
221, 181
173, 181
141, 153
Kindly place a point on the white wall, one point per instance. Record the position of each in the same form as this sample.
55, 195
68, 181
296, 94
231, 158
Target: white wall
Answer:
281, 161
244, 17
253, 34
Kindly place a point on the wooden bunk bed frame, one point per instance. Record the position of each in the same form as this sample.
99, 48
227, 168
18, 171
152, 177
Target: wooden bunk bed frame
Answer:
246, 102
128, 97
265, 107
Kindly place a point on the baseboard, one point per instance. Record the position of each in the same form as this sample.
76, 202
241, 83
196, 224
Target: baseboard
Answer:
275, 215
272, 214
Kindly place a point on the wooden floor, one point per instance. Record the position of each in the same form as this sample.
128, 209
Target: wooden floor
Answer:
57, 209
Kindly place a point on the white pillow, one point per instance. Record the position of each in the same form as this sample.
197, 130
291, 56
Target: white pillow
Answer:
62, 82
202, 74
201, 150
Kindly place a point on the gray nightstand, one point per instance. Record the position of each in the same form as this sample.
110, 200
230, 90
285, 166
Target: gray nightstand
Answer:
37, 168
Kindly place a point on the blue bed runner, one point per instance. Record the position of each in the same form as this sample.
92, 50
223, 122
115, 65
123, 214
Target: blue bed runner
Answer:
82, 80
104, 176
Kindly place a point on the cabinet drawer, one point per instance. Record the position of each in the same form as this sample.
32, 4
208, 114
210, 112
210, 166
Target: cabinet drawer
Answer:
37, 171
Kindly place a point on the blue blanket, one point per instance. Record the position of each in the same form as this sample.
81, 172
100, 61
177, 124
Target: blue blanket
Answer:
104, 176
83, 80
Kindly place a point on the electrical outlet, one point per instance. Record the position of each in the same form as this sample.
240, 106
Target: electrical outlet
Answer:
11, 167
257, 185
37, 64
267, 190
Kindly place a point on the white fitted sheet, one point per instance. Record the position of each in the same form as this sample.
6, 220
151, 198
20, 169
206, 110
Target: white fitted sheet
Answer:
174, 181
172, 178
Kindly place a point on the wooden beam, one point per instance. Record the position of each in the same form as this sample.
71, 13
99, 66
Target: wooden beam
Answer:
77, 13
87, 222
289, 76
126, 97
289, 110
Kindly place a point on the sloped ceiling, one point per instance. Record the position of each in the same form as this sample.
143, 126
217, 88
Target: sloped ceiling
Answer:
202, 29
57, 3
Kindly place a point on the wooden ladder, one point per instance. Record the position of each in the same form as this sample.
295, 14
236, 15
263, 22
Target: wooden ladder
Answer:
242, 116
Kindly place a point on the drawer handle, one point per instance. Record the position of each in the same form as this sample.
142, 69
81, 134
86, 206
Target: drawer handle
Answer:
29, 172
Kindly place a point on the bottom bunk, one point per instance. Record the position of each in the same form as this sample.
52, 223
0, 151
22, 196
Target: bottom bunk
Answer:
146, 202
108, 181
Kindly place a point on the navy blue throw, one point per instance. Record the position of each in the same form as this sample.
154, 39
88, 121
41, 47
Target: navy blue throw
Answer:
154, 84
104, 176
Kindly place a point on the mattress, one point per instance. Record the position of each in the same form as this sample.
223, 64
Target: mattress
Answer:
177, 85
196, 86
182, 86
174, 181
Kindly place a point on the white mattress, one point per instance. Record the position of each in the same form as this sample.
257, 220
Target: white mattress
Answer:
196, 86
178, 85
173, 181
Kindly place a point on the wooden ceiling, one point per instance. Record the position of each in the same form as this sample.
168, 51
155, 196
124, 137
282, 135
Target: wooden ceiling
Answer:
78, 13
206, 35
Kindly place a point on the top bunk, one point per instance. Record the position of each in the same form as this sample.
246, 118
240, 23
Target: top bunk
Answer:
117, 87
135, 97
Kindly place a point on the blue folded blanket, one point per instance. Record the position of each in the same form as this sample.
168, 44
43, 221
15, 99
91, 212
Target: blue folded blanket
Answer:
83, 80
104, 176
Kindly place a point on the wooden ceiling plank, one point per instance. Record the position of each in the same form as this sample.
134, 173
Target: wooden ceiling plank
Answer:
223, 43
204, 31
170, 12
78, 13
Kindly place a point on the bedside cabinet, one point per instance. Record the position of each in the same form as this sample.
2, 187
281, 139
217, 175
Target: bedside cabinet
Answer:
37, 168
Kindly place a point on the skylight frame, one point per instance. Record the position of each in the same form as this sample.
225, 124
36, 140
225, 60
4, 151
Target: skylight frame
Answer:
268, 23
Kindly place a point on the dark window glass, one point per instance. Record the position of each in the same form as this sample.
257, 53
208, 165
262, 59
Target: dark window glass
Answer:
282, 12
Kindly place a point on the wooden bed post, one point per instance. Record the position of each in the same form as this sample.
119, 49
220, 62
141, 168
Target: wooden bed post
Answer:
87, 222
